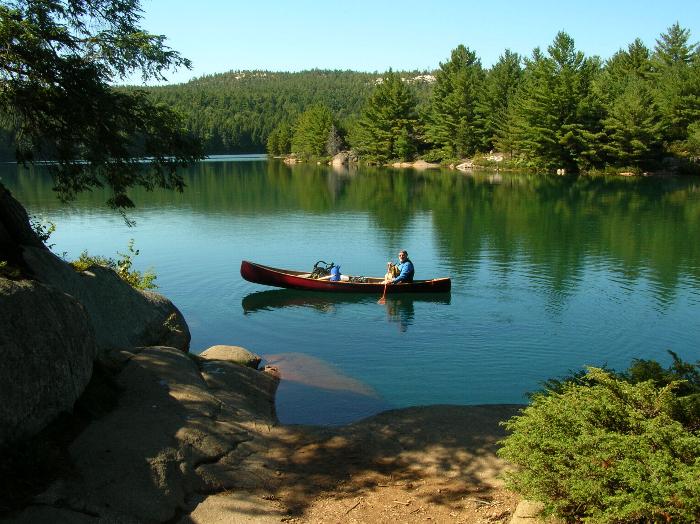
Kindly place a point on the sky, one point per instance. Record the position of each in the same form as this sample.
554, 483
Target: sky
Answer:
363, 35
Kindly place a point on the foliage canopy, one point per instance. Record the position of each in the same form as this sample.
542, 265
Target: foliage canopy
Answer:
312, 132
555, 108
388, 124
58, 61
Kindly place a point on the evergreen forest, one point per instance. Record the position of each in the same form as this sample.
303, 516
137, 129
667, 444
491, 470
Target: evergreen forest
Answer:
554, 108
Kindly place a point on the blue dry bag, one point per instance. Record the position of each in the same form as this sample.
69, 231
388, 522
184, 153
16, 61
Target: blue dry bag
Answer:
335, 273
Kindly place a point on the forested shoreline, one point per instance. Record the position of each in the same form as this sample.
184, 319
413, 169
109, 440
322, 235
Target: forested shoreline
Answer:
639, 110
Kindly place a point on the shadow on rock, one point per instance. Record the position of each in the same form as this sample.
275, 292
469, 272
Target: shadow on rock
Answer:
196, 440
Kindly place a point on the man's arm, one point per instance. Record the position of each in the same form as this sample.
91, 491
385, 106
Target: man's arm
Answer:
403, 276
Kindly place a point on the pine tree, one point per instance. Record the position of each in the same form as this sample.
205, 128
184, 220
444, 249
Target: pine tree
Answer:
455, 126
556, 115
635, 61
632, 126
58, 63
693, 141
311, 132
388, 124
677, 65
533, 116
672, 47
279, 142
502, 82
631, 119
334, 142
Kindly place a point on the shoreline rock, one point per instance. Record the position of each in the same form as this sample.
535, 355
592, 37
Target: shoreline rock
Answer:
236, 354
56, 321
176, 427
122, 316
46, 358
418, 164
195, 440
341, 159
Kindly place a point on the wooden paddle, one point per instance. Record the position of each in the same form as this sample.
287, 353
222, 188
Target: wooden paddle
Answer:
383, 299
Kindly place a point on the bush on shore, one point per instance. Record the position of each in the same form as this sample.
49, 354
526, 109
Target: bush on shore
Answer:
610, 447
122, 266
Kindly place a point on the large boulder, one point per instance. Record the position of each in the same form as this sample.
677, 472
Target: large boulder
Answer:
340, 159
55, 321
15, 231
122, 317
47, 346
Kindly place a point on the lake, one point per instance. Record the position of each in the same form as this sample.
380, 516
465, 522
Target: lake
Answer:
549, 273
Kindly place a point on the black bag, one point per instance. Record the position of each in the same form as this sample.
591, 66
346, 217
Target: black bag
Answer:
321, 269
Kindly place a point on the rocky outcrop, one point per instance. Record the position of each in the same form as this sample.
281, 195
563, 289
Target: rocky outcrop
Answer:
47, 346
340, 159
53, 321
178, 434
494, 157
15, 232
122, 317
529, 512
418, 164
422, 164
196, 440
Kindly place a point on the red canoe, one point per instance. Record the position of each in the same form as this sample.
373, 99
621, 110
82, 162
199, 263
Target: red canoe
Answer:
271, 276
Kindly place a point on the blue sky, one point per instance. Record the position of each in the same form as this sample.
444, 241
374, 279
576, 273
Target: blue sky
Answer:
220, 35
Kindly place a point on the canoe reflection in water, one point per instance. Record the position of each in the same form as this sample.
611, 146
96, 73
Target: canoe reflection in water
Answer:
399, 308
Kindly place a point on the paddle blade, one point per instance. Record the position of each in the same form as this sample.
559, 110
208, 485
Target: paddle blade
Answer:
383, 299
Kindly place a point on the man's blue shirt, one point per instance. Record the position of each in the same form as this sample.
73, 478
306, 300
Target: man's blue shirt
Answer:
406, 274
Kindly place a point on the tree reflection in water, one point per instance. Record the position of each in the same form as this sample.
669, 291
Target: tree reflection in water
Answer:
638, 225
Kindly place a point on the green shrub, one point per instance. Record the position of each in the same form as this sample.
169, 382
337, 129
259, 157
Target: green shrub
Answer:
603, 449
684, 374
122, 266
43, 229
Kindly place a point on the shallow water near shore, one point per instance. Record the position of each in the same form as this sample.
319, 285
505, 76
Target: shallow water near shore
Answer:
548, 274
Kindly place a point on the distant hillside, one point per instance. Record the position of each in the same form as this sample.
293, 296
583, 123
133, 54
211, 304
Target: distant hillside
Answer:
235, 112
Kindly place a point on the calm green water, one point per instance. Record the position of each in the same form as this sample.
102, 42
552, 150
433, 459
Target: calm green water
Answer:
549, 274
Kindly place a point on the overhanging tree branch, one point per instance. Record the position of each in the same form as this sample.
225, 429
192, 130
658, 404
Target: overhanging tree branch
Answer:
58, 59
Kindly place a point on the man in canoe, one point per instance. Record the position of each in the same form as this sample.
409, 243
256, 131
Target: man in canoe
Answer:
404, 269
